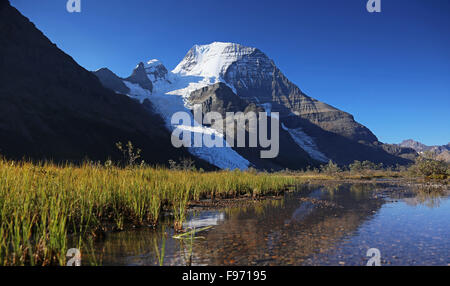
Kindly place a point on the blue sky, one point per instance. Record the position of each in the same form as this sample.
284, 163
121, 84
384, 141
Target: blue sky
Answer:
391, 70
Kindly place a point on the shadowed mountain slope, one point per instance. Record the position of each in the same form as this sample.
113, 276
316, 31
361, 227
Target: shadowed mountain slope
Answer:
52, 108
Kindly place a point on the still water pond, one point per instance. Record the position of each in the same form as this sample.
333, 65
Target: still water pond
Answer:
313, 225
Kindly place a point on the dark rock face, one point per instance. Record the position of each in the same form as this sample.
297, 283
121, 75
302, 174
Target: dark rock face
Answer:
140, 77
51, 108
257, 79
111, 80
341, 149
404, 152
220, 98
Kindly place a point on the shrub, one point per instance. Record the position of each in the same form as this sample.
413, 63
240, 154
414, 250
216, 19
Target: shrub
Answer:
129, 153
356, 167
430, 168
330, 168
186, 164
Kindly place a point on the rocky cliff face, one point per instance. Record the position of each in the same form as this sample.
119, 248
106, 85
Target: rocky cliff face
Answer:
220, 98
440, 152
157, 72
403, 152
139, 76
51, 108
419, 147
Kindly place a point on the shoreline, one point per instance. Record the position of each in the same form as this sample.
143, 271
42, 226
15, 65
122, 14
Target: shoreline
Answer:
216, 204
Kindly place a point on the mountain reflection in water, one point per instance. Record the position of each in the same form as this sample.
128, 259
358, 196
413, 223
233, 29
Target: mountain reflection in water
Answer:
314, 225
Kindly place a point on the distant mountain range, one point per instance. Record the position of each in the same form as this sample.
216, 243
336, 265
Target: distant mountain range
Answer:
441, 152
51, 108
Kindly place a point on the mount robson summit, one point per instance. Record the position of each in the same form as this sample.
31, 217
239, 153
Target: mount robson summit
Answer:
52, 108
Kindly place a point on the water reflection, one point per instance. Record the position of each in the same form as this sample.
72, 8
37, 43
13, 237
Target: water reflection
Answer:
425, 196
203, 219
332, 224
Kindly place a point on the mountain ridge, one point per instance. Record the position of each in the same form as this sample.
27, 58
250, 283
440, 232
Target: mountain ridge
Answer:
442, 152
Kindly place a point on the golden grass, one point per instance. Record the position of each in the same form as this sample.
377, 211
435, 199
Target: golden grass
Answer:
41, 205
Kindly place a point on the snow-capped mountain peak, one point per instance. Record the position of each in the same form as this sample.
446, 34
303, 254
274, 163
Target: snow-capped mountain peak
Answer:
156, 71
211, 60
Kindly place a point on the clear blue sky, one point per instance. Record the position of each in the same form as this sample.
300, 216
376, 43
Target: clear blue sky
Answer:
391, 70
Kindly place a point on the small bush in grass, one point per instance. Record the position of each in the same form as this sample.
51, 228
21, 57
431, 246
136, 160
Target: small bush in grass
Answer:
430, 169
186, 164
130, 154
330, 168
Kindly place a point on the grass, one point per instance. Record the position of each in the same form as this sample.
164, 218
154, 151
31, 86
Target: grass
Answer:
43, 205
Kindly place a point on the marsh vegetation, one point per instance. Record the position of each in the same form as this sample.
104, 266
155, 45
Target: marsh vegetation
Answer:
44, 205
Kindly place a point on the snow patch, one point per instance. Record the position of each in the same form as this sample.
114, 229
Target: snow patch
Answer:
137, 92
152, 63
306, 143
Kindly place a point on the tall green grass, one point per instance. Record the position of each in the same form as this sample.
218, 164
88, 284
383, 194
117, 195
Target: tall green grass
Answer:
42, 205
